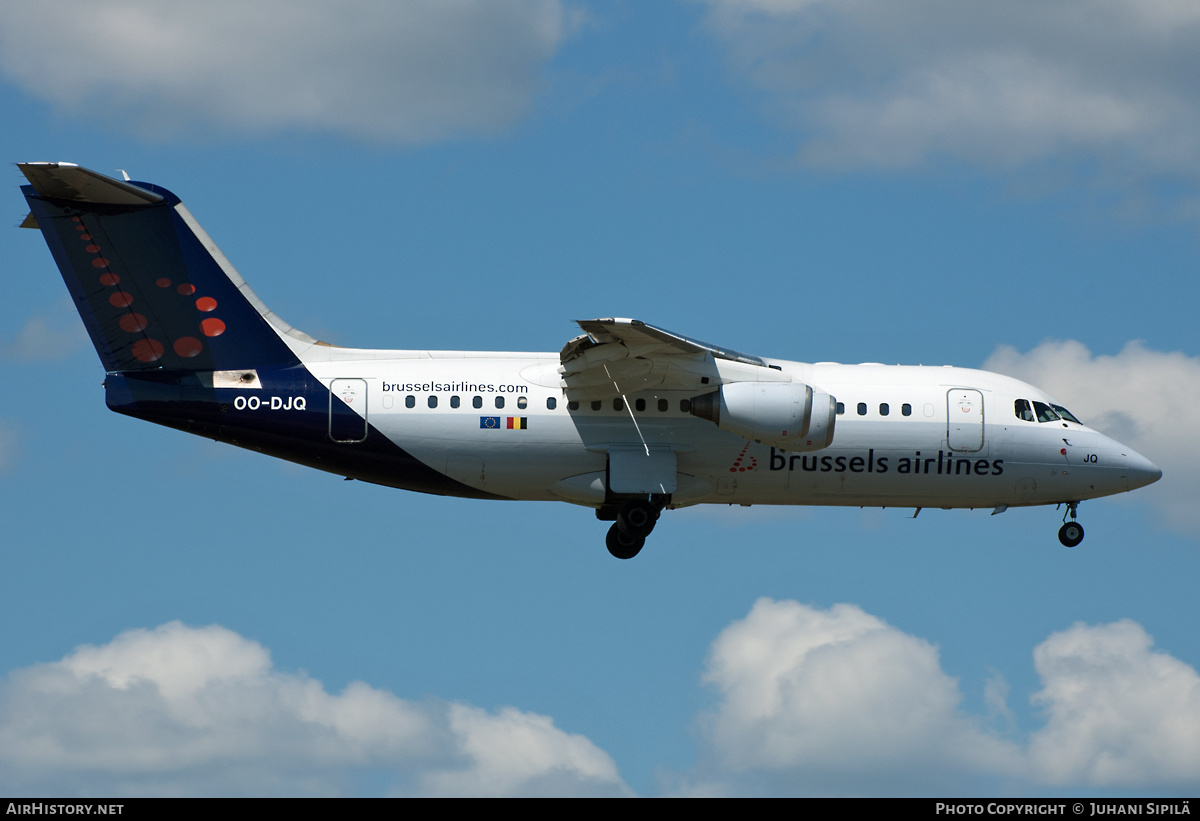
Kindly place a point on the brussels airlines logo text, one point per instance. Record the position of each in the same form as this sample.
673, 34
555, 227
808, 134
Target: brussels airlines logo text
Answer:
945, 464
451, 387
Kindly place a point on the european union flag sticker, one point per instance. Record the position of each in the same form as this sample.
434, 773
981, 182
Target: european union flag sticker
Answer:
489, 421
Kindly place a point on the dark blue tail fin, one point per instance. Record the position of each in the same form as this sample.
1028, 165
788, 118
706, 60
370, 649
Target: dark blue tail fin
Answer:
153, 290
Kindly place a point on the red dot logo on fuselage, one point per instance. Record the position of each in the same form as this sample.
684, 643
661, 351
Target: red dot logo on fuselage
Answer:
743, 462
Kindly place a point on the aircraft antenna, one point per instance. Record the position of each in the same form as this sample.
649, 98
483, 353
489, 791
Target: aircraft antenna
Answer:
625, 399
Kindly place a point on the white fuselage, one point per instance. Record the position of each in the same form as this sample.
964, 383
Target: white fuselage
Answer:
898, 439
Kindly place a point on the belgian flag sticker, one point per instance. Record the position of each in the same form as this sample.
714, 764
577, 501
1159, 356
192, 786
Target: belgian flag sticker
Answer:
518, 422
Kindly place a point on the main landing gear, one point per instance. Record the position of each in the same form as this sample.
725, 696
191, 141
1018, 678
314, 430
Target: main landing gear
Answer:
1071, 533
634, 522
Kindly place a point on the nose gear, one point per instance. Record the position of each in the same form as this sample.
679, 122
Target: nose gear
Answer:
1071, 533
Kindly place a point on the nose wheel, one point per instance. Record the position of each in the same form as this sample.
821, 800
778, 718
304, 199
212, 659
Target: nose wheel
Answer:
1071, 533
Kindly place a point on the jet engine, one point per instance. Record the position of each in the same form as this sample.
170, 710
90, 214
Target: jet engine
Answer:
787, 415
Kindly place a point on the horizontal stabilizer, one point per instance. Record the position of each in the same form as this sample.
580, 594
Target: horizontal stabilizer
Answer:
67, 181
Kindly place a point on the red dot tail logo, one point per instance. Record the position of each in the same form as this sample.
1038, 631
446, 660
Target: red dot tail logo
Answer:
146, 348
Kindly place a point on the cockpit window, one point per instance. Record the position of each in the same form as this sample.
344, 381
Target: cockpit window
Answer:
1066, 414
1045, 413
1022, 410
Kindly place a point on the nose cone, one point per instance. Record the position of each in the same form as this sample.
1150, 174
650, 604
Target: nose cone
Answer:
1139, 471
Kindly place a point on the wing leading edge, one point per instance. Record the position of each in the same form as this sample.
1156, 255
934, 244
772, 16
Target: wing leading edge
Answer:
617, 356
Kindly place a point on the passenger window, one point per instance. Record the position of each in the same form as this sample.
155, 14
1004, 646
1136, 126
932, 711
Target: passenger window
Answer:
410, 401
1022, 410
862, 408
618, 405
432, 401
522, 402
572, 405
884, 409
477, 402
685, 405
596, 404
663, 405
551, 403
499, 402
906, 409
841, 408
640, 405
454, 401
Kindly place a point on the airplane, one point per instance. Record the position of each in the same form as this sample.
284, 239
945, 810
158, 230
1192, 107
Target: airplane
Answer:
628, 419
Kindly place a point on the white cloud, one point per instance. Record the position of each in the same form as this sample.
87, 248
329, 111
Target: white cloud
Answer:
515, 753
891, 83
838, 702
396, 72
811, 701
1116, 713
188, 711
1150, 400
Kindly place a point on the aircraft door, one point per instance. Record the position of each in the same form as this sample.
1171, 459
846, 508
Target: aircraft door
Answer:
348, 418
964, 419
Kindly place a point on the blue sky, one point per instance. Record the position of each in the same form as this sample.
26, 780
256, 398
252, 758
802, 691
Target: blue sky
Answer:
1010, 186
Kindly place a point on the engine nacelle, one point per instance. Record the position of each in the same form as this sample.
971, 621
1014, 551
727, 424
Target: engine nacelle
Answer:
788, 415
820, 426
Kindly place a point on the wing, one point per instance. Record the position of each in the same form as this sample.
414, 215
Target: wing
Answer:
616, 357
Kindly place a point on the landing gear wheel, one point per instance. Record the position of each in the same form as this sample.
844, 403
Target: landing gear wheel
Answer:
637, 519
622, 546
1071, 534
